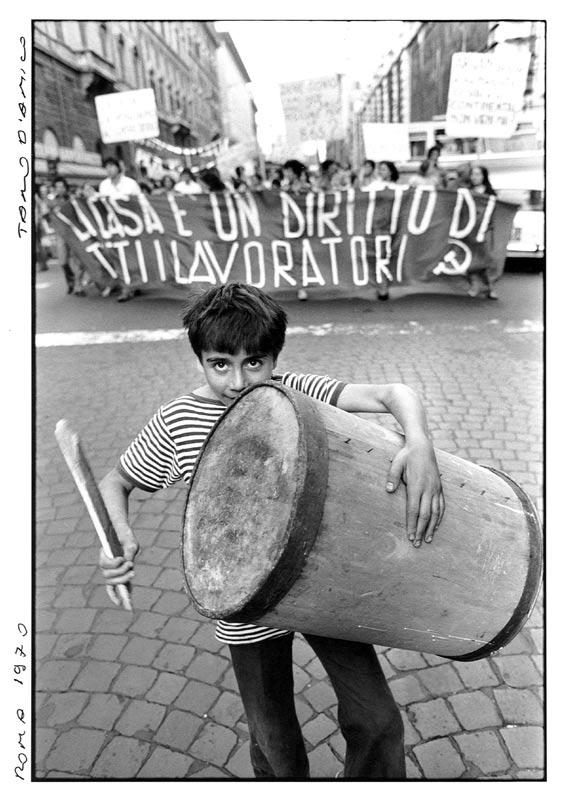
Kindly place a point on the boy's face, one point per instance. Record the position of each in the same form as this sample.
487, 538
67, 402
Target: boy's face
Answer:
227, 375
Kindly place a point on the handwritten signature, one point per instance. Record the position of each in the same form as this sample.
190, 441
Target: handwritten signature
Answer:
19, 669
23, 161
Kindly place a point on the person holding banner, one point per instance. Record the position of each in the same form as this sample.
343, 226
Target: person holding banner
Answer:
295, 177
296, 181
328, 177
167, 185
387, 172
367, 174
187, 183
65, 259
430, 173
483, 281
237, 332
118, 186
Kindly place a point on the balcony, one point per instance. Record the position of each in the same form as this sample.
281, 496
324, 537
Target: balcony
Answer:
89, 62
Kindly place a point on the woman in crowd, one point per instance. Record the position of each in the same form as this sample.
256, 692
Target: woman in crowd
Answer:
188, 183
430, 173
295, 177
482, 281
327, 180
367, 174
479, 180
387, 172
167, 185
296, 181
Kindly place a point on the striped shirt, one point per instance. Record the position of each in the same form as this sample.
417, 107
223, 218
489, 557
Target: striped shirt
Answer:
167, 448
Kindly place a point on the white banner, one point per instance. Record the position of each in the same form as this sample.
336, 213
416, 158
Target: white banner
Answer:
386, 141
127, 116
486, 93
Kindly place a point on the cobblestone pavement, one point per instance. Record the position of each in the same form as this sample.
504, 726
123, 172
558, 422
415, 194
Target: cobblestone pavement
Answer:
152, 694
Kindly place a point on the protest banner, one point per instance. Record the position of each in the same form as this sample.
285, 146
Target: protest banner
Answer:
340, 241
386, 141
313, 109
127, 116
486, 93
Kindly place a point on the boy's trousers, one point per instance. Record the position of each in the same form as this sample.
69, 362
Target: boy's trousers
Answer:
369, 718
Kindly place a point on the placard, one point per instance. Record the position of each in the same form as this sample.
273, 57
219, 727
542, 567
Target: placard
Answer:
127, 116
486, 93
313, 109
386, 141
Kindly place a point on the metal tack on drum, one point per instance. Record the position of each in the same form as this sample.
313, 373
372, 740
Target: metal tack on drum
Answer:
287, 524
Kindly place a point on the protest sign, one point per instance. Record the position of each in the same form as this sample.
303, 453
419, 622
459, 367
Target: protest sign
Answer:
339, 241
127, 116
386, 141
313, 109
486, 93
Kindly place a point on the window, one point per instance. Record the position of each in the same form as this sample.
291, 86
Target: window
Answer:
103, 31
137, 68
152, 82
121, 55
51, 143
78, 144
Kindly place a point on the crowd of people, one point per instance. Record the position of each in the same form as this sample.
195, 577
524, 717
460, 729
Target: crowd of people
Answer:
293, 177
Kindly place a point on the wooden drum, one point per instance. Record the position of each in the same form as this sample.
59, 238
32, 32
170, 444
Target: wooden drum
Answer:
288, 524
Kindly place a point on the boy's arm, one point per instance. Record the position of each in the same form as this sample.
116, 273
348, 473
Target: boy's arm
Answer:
415, 463
115, 490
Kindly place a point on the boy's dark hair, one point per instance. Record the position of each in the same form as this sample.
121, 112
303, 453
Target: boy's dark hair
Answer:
235, 317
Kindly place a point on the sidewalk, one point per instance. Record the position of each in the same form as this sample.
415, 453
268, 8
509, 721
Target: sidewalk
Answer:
152, 694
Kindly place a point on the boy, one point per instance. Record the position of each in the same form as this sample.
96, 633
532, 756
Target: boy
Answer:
237, 333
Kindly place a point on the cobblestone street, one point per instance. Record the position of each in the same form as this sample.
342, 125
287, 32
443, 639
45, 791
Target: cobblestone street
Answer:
152, 694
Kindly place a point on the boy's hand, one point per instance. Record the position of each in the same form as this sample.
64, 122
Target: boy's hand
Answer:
416, 465
119, 570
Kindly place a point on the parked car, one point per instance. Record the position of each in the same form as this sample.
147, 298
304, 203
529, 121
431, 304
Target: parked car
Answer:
528, 239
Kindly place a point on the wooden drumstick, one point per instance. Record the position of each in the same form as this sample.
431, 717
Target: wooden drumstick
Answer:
77, 463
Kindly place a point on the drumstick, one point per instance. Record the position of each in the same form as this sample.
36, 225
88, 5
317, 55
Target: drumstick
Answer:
77, 463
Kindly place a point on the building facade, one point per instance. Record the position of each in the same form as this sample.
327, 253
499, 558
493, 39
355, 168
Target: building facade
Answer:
411, 85
237, 105
76, 60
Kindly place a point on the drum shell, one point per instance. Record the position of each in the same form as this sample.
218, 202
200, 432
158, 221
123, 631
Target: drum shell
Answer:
463, 596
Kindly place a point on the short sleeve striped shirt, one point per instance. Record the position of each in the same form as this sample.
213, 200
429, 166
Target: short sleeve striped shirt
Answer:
167, 448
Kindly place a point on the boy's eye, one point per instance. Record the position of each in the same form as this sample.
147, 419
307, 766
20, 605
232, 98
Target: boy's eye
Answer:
220, 365
255, 363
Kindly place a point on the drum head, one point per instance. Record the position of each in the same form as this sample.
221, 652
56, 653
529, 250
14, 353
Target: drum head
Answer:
245, 529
